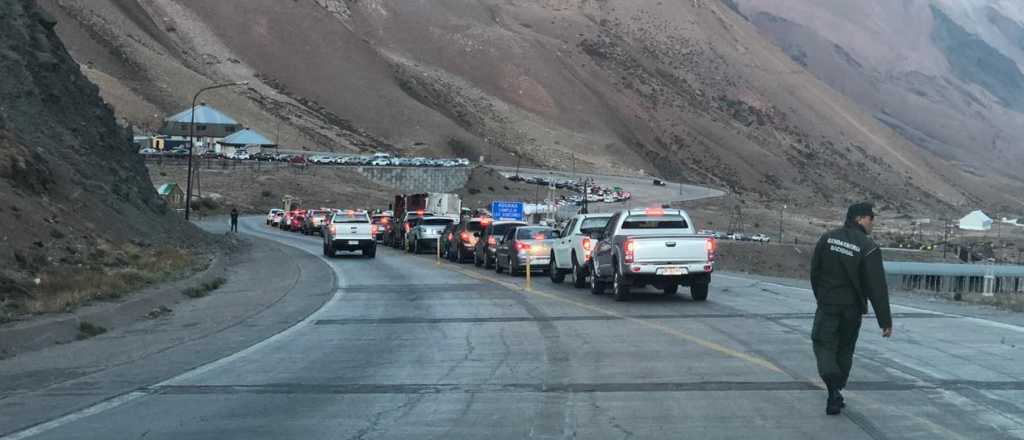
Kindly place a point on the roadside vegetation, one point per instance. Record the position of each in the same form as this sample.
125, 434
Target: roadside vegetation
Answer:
204, 289
108, 273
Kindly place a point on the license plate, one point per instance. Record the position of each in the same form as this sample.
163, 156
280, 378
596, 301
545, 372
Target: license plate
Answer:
353, 242
672, 271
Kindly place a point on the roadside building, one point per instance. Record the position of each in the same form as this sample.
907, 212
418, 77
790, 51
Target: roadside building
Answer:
976, 221
248, 140
172, 194
210, 124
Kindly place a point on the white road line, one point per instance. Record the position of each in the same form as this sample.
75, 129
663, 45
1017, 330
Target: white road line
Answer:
122, 399
980, 321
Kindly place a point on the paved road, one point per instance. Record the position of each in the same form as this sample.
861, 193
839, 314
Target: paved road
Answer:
645, 194
410, 349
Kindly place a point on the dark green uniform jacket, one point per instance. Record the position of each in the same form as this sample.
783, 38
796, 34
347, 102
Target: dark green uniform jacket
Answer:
847, 269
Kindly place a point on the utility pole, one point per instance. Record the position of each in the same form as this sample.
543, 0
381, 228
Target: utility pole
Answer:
192, 140
782, 213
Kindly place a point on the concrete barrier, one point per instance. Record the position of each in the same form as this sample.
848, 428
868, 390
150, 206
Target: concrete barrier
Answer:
418, 179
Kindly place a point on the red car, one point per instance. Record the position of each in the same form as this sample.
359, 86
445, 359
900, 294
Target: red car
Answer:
297, 219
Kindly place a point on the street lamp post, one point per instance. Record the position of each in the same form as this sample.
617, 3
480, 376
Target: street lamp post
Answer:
192, 140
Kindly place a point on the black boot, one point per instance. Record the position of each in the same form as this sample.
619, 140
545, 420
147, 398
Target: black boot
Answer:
834, 404
839, 395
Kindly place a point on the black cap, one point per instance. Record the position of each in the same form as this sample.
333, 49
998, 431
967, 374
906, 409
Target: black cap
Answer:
863, 209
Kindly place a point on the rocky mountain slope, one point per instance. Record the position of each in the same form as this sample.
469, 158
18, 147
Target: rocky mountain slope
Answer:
78, 213
684, 89
947, 74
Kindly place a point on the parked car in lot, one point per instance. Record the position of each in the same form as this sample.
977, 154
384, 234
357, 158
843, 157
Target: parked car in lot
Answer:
273, 214
760, 238
349, 231
462, 245
487, 244
652, 247
425, 236
383, 221
571, 252
524, 247
315, 218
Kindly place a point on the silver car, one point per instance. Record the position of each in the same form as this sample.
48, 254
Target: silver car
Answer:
525, 246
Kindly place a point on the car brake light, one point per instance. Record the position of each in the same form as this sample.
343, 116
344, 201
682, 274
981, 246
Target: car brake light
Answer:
407, 227
586, 248
334, 229
654, 211
450, 235
712, 247
419, 212
491, 240
373, 229
520, 246
384, 220
630, 247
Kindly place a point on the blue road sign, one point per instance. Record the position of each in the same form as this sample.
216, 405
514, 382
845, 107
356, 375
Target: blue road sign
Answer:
508, 211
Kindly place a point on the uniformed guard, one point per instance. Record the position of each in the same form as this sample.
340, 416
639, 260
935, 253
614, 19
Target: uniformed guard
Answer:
846, 272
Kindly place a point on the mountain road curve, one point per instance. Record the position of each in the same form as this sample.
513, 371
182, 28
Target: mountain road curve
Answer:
411, 347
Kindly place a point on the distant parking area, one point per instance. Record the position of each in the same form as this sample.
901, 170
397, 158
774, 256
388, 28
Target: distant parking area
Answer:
376, 160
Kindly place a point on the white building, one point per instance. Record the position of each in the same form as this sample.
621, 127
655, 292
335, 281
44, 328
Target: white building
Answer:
976, 221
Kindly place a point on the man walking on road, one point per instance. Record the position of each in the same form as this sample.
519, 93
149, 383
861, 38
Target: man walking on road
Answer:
846, 272
234, 219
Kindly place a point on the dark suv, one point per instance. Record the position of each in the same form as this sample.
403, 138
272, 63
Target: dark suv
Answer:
461, 245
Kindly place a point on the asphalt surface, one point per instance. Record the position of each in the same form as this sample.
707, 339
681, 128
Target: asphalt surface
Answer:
409, 348
645, 193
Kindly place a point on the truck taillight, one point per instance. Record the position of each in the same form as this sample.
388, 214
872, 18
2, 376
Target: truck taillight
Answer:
586, 248
630, 254
373, 229
712, 246
334, 229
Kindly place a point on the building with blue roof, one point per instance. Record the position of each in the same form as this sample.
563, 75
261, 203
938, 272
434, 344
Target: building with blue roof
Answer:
248, 139
210, 123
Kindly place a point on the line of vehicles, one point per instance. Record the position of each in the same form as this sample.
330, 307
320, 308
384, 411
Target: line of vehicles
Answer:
738, 236
612, 252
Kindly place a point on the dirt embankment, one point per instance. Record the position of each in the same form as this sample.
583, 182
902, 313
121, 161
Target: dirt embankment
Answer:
254, 187
79, 216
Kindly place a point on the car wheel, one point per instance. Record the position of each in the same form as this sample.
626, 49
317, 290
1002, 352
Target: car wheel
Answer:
699, 292
620, 288
596, 285
579, 277
670, 289
370, 252
557, 276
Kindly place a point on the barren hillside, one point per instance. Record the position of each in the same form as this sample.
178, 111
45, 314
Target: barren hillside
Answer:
683, 89
79, 215
947, 74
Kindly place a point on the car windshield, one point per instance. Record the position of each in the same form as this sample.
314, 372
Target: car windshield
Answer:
350, 218
501, 228
594, 223
535, 234
436, 221
654, 222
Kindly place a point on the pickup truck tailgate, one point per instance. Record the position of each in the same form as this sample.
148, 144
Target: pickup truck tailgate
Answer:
353, 231
669, 249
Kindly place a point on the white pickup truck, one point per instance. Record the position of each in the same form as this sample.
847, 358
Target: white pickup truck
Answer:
657, 247
349, 231
570, 253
